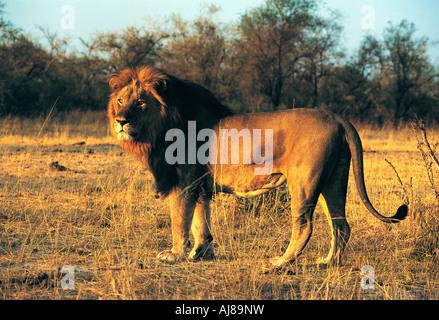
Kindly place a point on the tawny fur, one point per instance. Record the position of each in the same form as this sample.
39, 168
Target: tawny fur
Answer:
312, 151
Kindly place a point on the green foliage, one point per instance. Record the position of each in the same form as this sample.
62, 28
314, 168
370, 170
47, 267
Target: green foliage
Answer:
197, 50
282, 54
272, 41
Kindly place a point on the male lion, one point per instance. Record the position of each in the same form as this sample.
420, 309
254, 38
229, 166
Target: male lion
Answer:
311, 152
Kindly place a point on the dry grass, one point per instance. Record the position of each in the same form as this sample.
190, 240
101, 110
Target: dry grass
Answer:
100, 217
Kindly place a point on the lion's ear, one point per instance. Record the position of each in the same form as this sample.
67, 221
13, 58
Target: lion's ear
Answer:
120, 79
114, 82
161, 87
159, 90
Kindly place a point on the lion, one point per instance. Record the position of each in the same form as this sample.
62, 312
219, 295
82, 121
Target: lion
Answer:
311, 151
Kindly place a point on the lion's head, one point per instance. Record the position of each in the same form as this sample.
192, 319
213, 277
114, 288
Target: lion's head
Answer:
145, 103
136, 108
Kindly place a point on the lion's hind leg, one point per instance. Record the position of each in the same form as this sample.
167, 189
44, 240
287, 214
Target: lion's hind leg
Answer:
303, 203
334, 202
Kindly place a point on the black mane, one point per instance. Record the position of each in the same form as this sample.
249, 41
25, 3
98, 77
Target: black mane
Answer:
185, 101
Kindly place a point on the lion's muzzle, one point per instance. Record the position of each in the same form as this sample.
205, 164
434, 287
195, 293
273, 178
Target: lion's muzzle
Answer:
124, 129
122, 122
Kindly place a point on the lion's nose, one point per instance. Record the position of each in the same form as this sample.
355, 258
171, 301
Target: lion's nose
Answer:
122, 122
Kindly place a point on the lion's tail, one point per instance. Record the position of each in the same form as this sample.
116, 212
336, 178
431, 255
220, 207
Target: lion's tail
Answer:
356, 150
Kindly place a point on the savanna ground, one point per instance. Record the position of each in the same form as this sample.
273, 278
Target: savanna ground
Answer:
95, 211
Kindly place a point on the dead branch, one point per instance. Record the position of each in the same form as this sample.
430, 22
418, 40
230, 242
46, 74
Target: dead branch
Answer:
421, 127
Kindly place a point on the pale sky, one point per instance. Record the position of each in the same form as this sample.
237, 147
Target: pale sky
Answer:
89, 16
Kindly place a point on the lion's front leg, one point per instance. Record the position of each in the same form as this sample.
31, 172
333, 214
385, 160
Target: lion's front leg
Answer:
182, 211
201, 229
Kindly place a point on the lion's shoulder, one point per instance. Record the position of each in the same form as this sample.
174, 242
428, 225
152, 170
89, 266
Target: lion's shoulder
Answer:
193, 99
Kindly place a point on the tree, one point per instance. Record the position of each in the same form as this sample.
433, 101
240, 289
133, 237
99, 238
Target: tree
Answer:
408, 67
197, 50
24, 67
131, 47
363, 77
320, 45
388, 79
271, 38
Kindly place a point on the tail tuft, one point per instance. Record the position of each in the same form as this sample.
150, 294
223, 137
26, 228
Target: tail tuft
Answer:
400, 215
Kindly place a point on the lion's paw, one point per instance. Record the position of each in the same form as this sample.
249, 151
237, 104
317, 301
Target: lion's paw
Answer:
202, 253
328, 262
168, 256
277, 261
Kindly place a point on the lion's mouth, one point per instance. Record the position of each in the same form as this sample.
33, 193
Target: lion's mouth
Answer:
127, 136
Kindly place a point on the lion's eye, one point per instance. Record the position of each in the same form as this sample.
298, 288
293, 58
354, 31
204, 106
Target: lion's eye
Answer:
119, 102
142, 103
